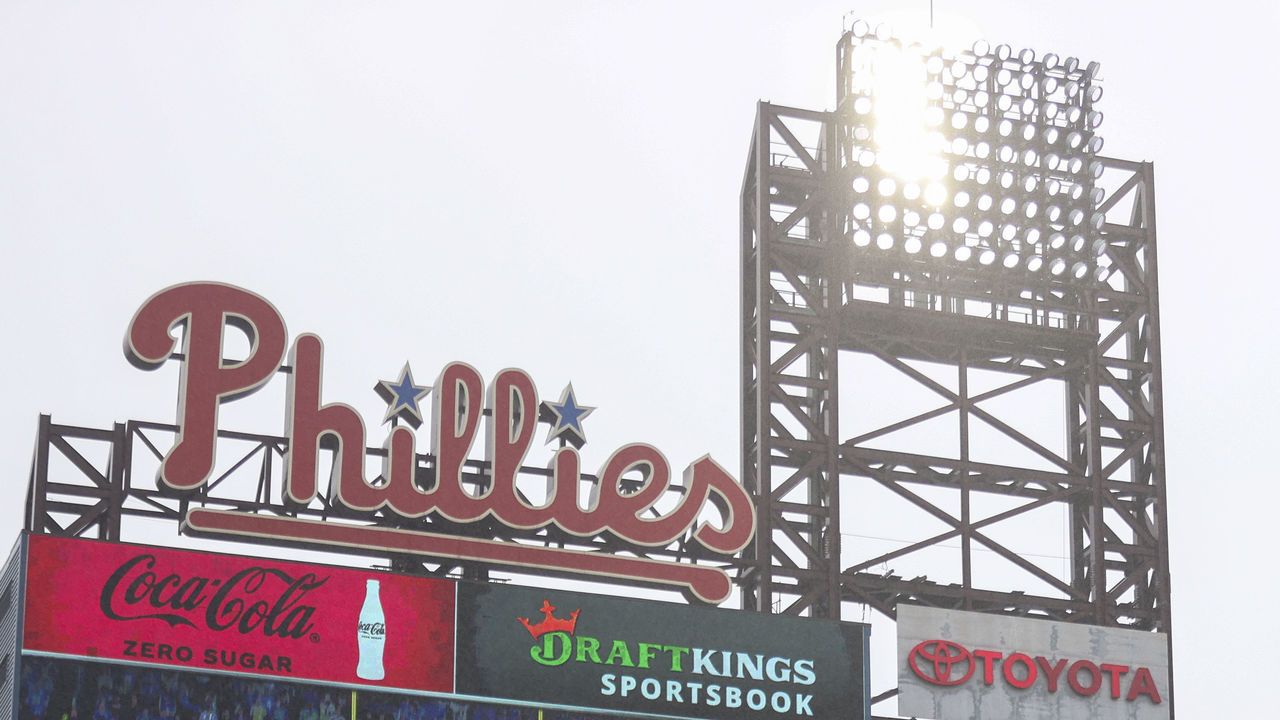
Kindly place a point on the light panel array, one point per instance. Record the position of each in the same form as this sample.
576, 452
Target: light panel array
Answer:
971, 160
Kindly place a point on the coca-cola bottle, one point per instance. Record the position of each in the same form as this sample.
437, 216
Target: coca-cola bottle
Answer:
372, 635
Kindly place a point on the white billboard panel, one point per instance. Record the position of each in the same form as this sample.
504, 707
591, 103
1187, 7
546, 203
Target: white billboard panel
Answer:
955, 665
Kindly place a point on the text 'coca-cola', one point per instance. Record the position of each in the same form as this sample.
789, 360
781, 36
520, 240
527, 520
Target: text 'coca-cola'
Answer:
255, 599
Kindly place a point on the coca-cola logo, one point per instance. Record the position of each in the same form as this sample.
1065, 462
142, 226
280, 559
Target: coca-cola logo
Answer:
375, 629
255, 599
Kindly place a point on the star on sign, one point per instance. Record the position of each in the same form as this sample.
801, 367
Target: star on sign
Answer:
566, 418
402, 397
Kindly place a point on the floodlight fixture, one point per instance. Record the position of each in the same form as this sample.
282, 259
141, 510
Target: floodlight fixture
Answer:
985, 157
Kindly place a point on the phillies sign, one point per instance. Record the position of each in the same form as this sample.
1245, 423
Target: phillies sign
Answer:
955, 664
502, 415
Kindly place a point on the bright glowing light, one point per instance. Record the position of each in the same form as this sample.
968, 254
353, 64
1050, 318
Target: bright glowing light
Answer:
935, 194
940, 27
985, 156
906, 146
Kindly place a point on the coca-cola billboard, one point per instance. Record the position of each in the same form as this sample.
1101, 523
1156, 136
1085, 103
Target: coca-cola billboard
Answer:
228, 613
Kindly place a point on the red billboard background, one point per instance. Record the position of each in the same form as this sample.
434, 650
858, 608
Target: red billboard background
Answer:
220, 612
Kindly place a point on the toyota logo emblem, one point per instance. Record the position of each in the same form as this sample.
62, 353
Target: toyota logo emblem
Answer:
941, 662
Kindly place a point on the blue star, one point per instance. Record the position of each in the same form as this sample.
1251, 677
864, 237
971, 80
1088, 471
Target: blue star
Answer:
566, 418
402, 397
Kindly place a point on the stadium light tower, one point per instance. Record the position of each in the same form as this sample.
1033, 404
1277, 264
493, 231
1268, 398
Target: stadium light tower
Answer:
952, 226
973, 159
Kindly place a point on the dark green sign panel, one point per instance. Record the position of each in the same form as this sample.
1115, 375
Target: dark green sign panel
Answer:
592, 651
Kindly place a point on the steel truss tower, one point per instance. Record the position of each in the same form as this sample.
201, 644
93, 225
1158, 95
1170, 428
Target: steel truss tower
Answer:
827, 315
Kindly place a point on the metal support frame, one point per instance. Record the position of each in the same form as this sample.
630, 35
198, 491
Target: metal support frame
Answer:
789, 370
1099, 343
85, 481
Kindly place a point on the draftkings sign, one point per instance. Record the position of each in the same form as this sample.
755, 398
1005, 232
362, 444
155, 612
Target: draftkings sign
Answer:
545, 646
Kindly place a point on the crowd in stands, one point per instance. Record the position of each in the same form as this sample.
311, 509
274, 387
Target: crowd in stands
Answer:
57, 689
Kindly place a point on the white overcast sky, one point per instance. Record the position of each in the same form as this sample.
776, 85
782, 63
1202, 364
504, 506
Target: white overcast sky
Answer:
554, 186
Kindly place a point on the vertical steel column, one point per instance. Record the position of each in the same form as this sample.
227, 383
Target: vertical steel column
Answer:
1119, 534
789, 323
756, 585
